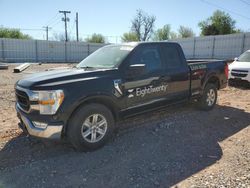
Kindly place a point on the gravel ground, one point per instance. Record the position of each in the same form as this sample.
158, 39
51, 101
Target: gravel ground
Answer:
175, 147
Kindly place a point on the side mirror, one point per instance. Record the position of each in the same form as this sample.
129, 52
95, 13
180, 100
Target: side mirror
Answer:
236, 59
135, 70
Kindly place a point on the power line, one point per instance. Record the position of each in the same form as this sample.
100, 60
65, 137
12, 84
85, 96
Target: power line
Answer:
29, 29
59, 21
233, 12
243, 1
54, 18
55, 22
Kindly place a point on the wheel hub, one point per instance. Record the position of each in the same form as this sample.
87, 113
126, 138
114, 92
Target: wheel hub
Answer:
94, 128
210, 97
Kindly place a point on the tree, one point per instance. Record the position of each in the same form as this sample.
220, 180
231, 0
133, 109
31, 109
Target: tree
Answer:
143, 25
13, 33
96, 38
220, 23
129, 37
163, 33
185, 32
173, 35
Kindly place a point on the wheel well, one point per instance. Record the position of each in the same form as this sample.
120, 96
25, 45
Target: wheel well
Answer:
105, 102
214, 80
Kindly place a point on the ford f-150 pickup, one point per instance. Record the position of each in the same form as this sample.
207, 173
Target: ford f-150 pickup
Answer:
83, 104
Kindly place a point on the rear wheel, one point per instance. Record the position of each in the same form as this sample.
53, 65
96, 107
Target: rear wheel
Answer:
209, 97
90, 127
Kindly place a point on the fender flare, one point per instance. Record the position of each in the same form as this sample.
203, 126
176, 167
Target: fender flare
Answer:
209, 77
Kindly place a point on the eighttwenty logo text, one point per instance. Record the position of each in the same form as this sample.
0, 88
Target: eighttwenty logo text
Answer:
141, 92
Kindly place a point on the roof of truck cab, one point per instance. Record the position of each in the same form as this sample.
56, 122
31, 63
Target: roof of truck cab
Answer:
142, 42
146, 42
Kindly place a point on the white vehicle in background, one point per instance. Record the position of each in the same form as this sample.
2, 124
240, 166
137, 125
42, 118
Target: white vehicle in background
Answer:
240, 69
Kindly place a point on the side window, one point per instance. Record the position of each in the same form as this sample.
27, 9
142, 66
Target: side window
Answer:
171, 56
149, 56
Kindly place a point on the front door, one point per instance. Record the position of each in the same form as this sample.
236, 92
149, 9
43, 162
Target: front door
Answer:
151, 86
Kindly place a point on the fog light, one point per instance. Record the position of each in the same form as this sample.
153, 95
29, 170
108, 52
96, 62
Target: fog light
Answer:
40, 125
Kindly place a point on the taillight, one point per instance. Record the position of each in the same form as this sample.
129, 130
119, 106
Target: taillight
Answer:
226, 70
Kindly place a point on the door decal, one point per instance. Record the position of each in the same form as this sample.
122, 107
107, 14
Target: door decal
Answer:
131, 93
141, 92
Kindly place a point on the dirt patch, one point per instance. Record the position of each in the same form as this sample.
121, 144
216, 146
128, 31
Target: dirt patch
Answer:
178, 146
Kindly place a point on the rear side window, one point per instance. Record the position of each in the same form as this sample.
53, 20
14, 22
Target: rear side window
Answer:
148, 55
171, 56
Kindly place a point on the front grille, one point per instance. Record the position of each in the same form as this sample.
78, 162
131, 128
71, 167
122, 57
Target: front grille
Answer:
23, 99
240, 71
238, 74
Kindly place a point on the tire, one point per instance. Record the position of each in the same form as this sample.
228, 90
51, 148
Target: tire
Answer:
208, 98
231, 83
90, 127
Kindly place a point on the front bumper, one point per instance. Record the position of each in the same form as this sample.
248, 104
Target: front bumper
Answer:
50, 132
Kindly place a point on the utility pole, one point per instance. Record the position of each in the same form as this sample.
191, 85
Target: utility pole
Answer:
77, 36
65, 20
47, 31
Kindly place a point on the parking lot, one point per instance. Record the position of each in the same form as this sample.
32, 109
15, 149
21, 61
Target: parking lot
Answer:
178, 146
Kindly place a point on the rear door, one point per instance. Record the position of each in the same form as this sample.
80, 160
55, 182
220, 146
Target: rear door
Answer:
177, 71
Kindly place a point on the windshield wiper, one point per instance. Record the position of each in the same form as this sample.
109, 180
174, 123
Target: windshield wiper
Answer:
86, 67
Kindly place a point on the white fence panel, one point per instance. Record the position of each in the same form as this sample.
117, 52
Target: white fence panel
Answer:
246, 42
187, 46
50, 51
220, 47
23, 50
228, 46
204, 47
15, 50
77, 51
1, 50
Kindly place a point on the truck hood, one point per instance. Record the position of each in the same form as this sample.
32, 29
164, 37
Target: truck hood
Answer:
240, 65
62, 76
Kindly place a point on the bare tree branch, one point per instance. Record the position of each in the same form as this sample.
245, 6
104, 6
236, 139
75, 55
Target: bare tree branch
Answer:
143, 25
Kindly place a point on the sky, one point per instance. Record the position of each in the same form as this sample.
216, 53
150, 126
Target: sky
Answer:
112, 18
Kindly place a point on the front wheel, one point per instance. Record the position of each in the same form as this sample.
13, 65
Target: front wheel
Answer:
90, 127
209, 97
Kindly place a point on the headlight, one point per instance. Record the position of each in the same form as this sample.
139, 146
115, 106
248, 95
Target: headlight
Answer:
48, 101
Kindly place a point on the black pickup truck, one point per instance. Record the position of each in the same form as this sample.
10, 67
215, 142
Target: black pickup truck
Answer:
83, 104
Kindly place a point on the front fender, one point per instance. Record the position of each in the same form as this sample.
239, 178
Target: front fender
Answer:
104, 99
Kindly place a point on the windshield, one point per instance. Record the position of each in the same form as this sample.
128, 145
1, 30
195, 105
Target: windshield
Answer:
106, 57
245, 57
